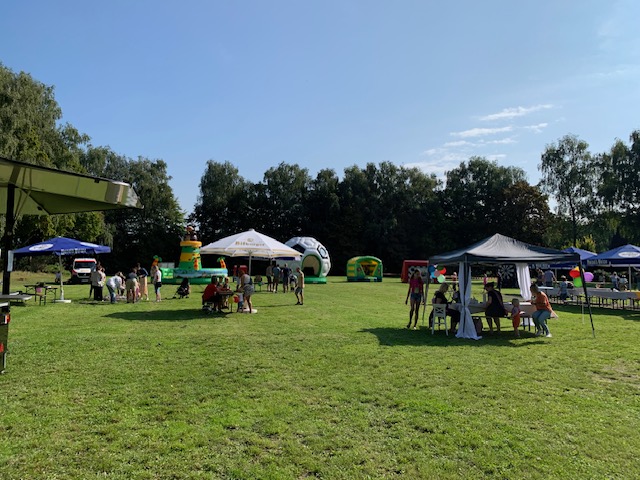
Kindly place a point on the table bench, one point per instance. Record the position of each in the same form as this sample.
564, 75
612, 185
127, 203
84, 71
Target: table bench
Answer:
16, 297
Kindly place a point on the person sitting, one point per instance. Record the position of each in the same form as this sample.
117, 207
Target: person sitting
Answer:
184, 290
211, 298
440, 297
495, 306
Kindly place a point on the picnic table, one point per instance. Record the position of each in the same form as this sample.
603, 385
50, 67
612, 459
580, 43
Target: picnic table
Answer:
16, 297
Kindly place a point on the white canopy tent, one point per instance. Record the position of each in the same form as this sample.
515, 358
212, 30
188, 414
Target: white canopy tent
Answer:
250, 244
496, 250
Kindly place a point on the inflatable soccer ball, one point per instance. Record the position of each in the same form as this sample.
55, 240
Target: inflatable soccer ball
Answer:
314, 255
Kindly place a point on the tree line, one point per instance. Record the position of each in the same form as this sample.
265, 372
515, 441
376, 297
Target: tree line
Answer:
388, 211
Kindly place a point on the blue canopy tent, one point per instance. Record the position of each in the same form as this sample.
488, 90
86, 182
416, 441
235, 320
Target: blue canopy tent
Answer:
624, 256
584, 256
61, 246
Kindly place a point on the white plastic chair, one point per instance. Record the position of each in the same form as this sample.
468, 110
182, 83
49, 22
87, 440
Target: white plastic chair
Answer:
439, 317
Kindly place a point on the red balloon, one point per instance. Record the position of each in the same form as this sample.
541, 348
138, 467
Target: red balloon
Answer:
575, 273
443, 271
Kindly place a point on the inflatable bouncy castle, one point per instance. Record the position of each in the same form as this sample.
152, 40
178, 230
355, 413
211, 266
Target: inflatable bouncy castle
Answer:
364, 269
314, 261
190, 265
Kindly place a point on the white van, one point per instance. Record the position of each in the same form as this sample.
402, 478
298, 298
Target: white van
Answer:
81, 270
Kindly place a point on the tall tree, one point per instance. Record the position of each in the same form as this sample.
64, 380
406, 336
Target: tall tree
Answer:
282, 200
473, 197
222, 203
567, 174
322, 210
525, 211
30, 132
138, 235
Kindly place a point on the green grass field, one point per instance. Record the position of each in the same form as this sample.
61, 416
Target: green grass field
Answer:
334, 389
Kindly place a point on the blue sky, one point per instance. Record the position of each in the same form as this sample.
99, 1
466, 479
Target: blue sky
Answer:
330, 84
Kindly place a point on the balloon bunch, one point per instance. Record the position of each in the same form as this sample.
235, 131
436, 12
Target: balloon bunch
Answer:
577, 281
437, 274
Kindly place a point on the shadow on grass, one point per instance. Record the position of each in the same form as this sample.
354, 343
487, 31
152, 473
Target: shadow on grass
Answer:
167, 315
626, 314
394, 337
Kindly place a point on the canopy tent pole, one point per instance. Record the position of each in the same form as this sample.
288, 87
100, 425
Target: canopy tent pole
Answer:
61, 299
7, 243
586, 296
426, 295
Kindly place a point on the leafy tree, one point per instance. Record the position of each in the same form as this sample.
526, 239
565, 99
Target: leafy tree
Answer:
567, 174
281, 201
474, 196
322, 217
29, 116
525, 212
222, 203
138, 235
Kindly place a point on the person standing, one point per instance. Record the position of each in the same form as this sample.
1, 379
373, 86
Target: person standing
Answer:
97, 281
269, 275
142, 281
132, 285
495, 306
515, 316
549, 278
542, 313
276, 278
615, 280
246, 284
416, 292
285, 273
300, 287
157, 283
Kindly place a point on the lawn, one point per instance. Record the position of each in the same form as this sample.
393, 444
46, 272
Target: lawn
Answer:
335, 389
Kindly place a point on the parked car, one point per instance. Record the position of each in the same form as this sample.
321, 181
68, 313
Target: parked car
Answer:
81, 270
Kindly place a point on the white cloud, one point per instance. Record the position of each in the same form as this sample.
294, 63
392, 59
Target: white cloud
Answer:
497, 156
536, 128
503, 141
437, 166
458, 143
433, 151
513, 112
480, 132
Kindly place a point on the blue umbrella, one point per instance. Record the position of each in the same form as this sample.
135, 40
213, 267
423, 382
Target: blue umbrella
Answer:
61, 246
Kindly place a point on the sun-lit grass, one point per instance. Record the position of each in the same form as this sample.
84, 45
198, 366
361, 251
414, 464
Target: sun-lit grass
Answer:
336, 388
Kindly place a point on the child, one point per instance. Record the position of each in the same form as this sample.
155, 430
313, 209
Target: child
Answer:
515, 315
564, 289
240, 301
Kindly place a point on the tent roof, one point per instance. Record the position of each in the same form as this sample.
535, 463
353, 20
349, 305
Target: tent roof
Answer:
62, 246
41, 190
499, 249
584, 254
627, 255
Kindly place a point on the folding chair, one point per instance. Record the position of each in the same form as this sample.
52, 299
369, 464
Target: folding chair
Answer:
41, 294
439, 317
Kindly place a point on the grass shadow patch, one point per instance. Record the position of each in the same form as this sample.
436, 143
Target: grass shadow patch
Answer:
165, 315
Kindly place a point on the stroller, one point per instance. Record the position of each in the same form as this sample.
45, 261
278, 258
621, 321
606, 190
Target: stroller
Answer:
184, 289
